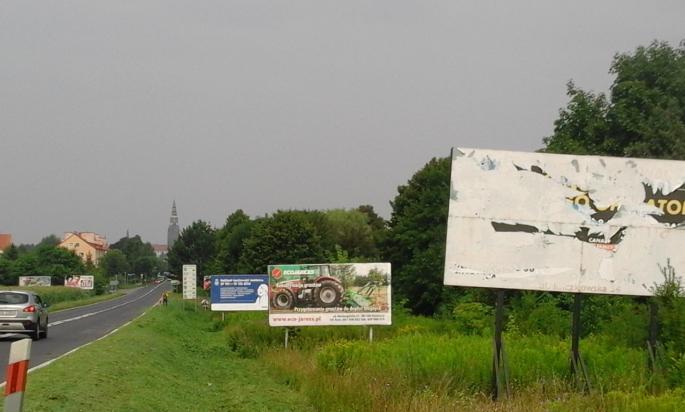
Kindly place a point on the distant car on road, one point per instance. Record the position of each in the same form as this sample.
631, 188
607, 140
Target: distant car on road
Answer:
23, 312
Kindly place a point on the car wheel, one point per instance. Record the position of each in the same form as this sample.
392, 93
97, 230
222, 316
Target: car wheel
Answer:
35, 335
45, 331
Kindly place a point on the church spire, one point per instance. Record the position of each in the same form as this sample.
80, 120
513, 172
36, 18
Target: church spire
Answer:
173, 231
174, 215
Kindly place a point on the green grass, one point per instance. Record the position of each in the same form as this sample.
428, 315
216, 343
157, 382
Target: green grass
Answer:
181, 359
61, 297
422, 364
69, 304
169, 360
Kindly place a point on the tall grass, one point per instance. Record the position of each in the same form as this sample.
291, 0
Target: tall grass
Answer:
426, 364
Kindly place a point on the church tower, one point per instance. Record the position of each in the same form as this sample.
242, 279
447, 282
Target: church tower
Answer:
173, 231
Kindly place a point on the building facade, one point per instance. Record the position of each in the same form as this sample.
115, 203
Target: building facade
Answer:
86, 245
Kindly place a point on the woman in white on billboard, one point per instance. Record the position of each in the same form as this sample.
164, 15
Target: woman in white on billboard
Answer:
263, 295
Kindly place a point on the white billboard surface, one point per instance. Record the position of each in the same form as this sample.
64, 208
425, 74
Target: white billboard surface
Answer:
81, 282
564, 223
35, 281
189, 281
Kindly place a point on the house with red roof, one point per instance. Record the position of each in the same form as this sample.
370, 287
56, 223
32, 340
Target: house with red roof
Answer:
86, 245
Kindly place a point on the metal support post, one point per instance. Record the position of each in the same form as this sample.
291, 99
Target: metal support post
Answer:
500, 381
578, 369
653, 333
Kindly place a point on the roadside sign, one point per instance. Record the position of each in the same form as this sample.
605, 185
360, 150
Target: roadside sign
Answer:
240, 292
34, 281
81, 282
330, 294
189, 281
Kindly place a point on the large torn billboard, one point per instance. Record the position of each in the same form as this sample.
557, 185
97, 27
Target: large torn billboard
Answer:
564, 223
330, 294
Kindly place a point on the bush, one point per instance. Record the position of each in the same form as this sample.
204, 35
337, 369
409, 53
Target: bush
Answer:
473, 318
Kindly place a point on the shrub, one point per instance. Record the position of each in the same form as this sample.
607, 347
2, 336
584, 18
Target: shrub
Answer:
473, 318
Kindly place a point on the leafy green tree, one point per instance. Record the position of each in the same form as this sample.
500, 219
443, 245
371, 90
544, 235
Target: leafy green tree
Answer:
644, 115
351, 231
50, 261
146, 265
285, 237
11, 253
133, 248
379, 227
196, 245
416, 239
140, 256
6, 271
230, 240
49, 240
114, 263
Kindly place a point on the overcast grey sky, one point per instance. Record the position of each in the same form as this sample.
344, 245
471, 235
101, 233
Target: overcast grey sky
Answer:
111, 110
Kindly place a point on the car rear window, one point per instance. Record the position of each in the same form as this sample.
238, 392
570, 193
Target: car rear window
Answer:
8, 298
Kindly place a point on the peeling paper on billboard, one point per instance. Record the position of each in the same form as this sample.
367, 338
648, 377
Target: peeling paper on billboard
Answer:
563, 223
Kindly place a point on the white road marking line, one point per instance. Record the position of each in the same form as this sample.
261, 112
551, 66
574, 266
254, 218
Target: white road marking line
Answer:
59, 322
46, 363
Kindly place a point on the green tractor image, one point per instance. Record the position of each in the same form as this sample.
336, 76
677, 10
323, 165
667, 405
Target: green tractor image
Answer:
305, 286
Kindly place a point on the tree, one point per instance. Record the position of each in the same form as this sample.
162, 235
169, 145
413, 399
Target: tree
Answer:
230, 240
379, 227
140, 256
12, 252
351, 231
50, 261
286, 237
49, 240
6, 271
114, 263
416, 239
133, 248
195, 245
644, 115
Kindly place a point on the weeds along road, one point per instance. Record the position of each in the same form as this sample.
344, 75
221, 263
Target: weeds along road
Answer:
72, 328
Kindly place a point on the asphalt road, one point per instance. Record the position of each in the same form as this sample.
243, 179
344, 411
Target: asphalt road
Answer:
72, 328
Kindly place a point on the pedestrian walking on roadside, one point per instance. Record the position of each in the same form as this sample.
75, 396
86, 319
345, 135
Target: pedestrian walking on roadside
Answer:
165, 298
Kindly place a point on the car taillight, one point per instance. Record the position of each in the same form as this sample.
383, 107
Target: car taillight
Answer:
30, 309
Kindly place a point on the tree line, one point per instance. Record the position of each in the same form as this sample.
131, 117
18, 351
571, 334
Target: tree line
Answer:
127, 255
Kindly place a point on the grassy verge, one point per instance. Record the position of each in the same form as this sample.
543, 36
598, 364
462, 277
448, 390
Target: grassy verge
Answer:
182, 359
61, 298
172, 360
69, 304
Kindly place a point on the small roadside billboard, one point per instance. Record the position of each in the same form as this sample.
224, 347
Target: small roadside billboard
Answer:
239, 292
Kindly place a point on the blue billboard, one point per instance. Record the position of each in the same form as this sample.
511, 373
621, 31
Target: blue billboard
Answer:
239, 292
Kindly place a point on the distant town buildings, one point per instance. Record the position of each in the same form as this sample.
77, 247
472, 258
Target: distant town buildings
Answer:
5, 241
173, 231
86, 245
160, 250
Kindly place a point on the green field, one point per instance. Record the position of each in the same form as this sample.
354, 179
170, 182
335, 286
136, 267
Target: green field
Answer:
177, 359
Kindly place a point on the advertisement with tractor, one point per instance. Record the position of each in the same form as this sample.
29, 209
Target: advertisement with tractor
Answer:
329, 294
